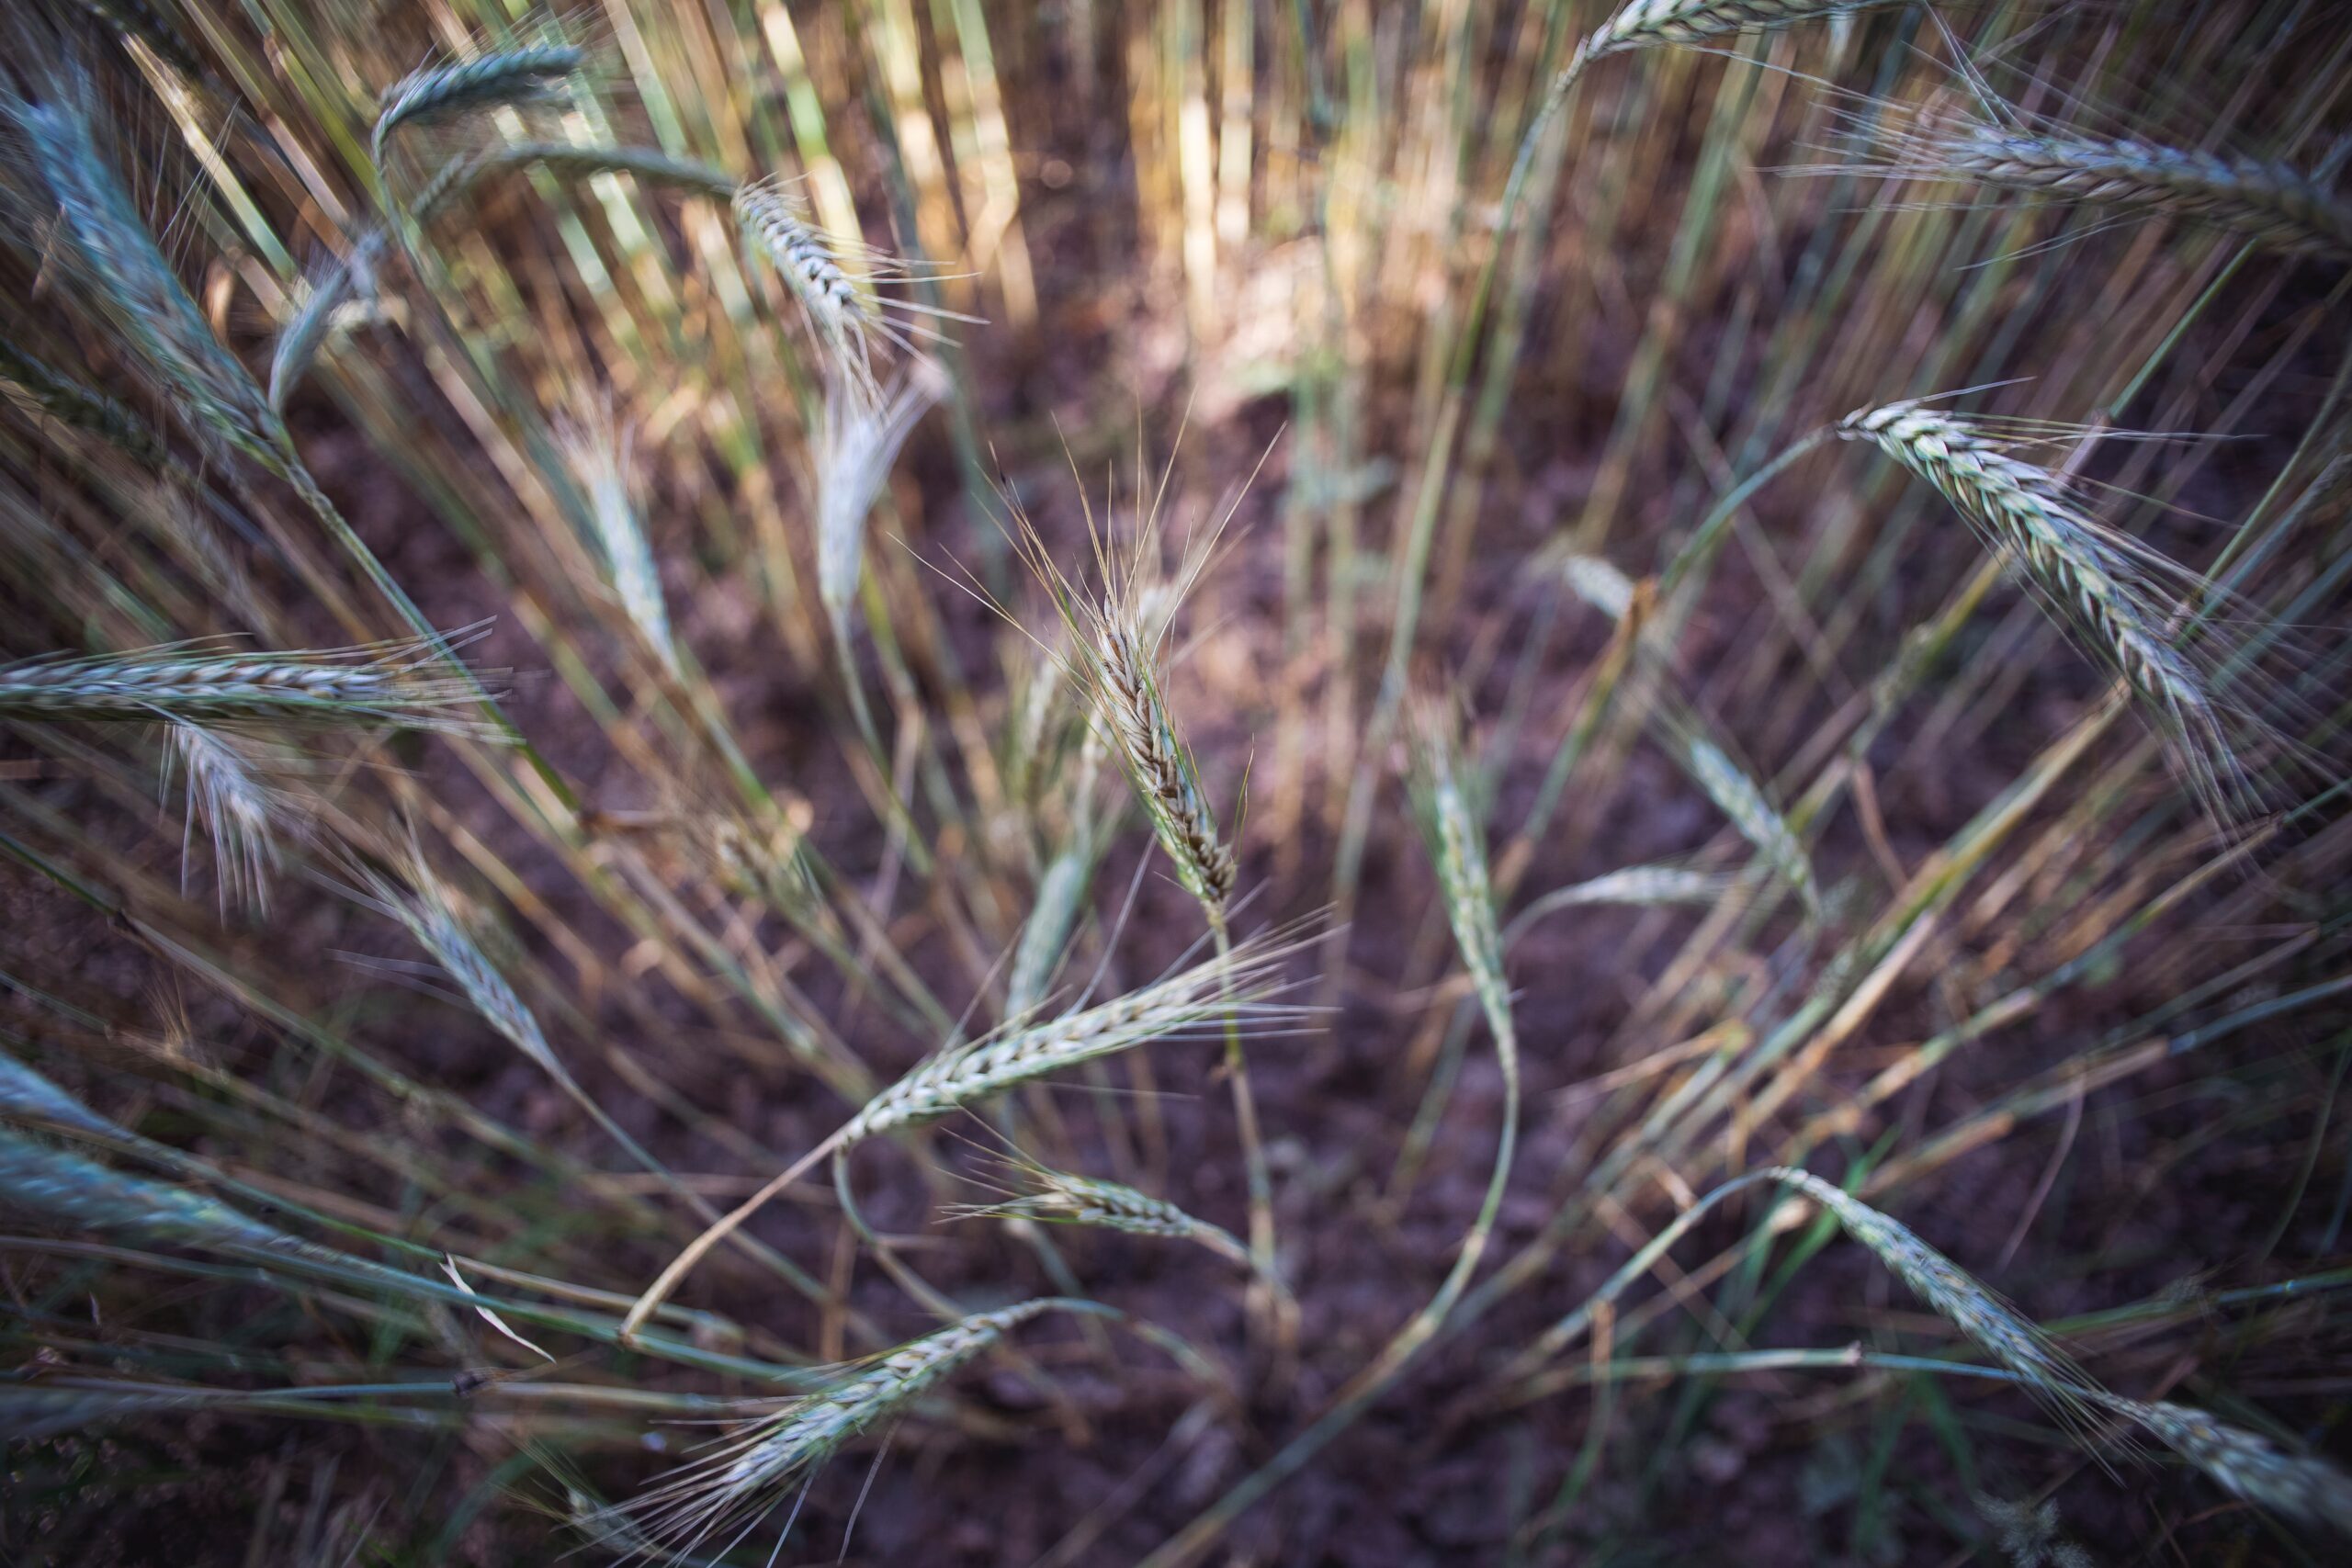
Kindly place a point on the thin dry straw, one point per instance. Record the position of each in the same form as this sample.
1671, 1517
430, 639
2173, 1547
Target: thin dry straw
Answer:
381, 684
437, 92
2274, 205
1221, 992
749, 1471
2100, 582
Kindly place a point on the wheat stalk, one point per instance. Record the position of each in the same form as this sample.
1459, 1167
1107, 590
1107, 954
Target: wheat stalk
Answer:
489, 81
2274, 205
388, 683
2102, 584
747, 1471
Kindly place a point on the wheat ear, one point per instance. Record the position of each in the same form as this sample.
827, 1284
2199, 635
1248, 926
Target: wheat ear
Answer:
381, 684
437, 92
2246, 1465
68, 402
2101, 584
749, 1470
1221, 992
2274, 205
343, 281
601, 456
1742, 800
858, 443
1060, 1197
132, 283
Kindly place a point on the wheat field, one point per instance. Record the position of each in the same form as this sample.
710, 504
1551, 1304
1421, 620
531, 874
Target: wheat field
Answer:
1514, 781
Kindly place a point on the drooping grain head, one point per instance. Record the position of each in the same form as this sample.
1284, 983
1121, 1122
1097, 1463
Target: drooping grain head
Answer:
776, 218
2276, 205
1990, 1322
248, 817
1645, 23
429, 912
857, 442
750, 1470
1239, 986
601, 455
1457, 846
1751, 811
489, 81
385, 683
120, 270
1059, 1197
2104, 588
2247, 1465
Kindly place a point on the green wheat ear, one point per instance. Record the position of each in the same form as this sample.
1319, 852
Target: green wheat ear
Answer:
491, 80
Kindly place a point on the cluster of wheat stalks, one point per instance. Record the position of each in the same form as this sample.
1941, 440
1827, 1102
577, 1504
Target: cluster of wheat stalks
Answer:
576, 338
